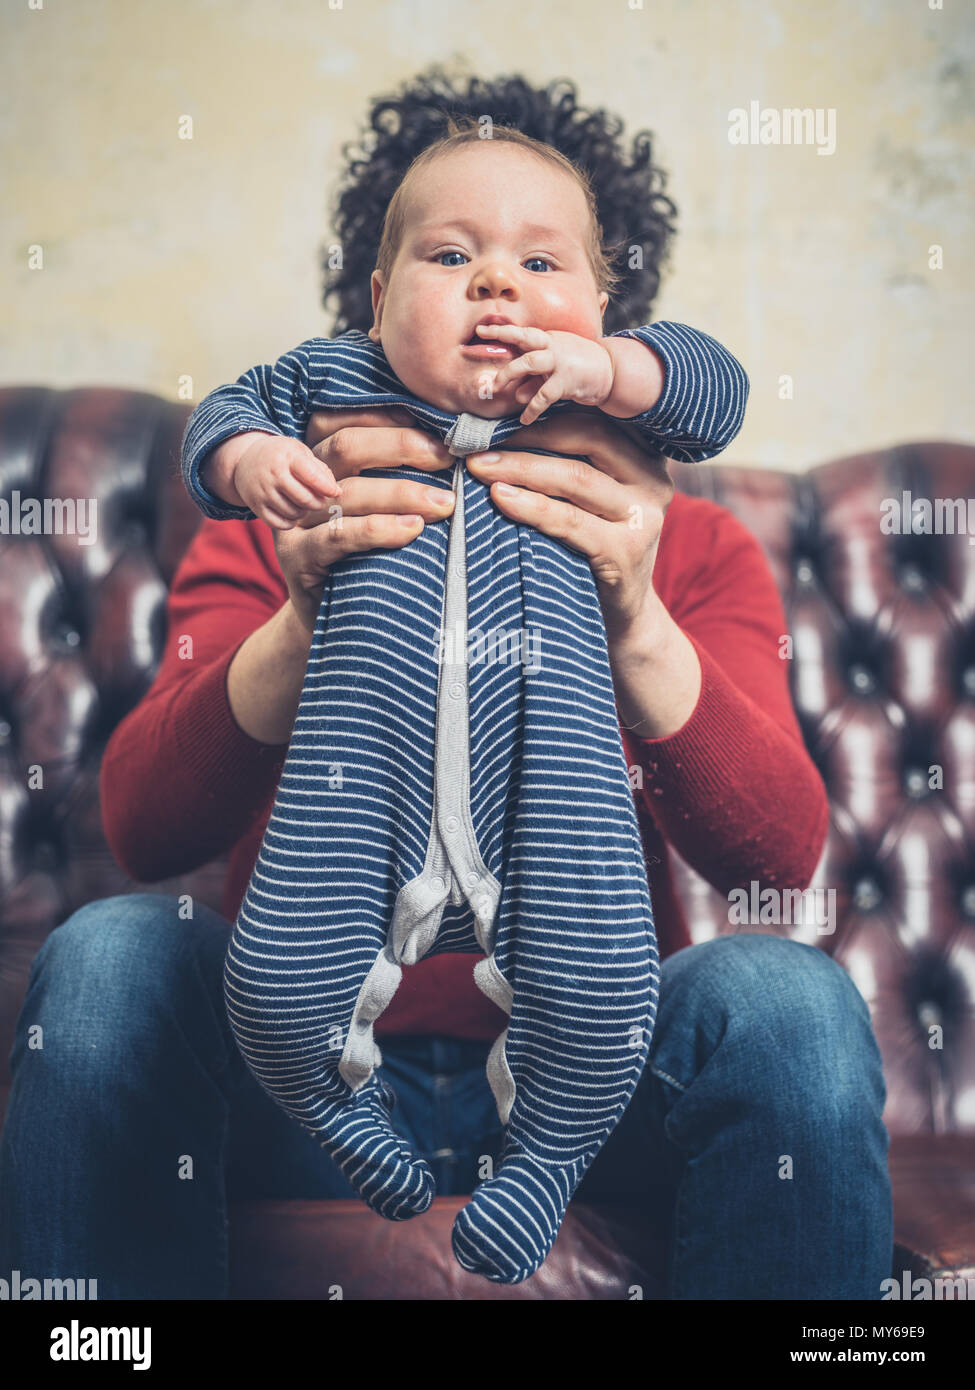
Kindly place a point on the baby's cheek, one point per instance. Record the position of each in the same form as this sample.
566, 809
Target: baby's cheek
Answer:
568, 315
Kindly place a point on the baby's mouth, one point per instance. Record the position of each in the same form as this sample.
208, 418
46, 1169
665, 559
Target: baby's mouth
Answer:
487, 347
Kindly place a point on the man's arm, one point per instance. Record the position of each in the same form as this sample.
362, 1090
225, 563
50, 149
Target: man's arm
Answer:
733, 788
182, 778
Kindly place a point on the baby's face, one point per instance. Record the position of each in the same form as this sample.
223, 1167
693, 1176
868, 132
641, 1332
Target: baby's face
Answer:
489, 229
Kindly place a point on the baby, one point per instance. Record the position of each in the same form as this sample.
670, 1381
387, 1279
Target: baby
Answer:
433, 801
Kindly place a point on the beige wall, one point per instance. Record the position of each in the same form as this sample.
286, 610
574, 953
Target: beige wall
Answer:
165, 257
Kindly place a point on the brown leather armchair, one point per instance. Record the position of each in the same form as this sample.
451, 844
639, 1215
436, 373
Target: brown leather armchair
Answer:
884, 683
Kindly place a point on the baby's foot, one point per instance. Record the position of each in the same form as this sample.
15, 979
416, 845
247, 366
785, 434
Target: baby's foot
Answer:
357, 1134
508, 1227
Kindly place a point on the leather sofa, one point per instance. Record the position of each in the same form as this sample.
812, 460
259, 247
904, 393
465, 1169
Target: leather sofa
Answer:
883, 672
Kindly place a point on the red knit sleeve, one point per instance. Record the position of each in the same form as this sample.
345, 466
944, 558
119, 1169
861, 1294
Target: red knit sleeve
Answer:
733, 790
180, 780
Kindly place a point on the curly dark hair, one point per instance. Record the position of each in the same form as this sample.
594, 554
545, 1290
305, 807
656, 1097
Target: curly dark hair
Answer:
633, 210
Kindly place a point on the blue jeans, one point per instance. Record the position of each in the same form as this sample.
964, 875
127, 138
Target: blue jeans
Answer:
754, 1138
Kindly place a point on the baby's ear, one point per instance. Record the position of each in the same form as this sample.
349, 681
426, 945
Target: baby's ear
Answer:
376, 289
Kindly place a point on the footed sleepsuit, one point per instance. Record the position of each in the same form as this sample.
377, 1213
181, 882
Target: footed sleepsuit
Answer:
455, 781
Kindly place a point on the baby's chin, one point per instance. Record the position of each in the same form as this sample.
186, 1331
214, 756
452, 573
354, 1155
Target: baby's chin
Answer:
459, 392
468, 398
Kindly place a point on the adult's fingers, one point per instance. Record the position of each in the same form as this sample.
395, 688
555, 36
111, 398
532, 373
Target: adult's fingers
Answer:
326, 422
392, 496
570, 478
612, 446
395, 495
580, 527
317, 548
349, 441
306, 554
357, 447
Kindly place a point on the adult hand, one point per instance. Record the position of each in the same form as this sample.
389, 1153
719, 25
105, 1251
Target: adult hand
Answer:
610, 509
370, 513
609, 504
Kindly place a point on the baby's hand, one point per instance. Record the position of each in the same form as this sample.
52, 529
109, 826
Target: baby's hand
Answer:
574, 368
281, 480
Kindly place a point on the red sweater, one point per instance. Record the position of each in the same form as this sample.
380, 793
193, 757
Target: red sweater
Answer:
733, 790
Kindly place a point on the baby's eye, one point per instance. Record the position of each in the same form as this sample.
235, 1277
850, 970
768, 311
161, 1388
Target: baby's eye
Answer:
440, 258
539, 261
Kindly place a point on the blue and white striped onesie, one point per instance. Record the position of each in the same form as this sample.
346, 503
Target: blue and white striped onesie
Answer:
455, 781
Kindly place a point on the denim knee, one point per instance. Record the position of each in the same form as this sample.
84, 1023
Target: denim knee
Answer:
105, 963
132, 927
781, 999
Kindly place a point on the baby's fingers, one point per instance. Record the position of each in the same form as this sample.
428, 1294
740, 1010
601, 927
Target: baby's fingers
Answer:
271, 506
546, 395
519, 335
539, 363
316, 476
276, 520
290, 490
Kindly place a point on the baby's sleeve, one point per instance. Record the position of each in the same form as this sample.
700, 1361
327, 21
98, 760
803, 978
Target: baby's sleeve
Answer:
702, 404
275, 398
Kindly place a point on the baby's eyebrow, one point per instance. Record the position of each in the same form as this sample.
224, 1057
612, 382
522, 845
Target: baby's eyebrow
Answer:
527, 229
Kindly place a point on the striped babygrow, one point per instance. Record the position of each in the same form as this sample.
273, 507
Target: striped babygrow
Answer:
455, 781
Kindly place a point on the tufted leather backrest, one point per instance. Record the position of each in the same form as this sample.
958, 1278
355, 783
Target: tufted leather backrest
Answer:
883, 676
883, 680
